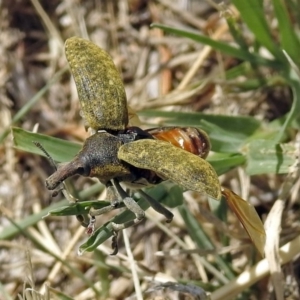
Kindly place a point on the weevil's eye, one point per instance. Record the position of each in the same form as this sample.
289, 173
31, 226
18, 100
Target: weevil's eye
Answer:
84, 171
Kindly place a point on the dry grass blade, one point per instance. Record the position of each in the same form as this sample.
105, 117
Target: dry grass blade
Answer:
273, 226
182, 244
200, 60
136, 281
257, 272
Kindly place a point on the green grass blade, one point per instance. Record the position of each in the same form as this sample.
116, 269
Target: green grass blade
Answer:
264, 156
60, 150
223, 140
217, 45
227, 133
103, 273
236, 32
223, 162
198, 235
78, 208
289, 39
239, 70
293, 77
11, 230
59, 295
242, 125
252, 13
294, 9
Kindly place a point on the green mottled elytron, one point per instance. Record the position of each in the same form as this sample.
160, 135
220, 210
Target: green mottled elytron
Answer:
99, 85
116, 153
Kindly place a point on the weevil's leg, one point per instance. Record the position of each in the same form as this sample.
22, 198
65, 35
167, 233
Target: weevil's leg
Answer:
131, 205
114, 244
91, 226
112, 196
157, 206
84, 220
136, 209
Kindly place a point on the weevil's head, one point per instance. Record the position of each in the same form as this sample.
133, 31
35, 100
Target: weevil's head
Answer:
97, 158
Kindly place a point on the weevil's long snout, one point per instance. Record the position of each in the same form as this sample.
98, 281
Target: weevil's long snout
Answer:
65, 171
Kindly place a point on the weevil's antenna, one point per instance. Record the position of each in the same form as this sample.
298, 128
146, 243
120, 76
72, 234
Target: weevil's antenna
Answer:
51, 160
63, 189
54, 165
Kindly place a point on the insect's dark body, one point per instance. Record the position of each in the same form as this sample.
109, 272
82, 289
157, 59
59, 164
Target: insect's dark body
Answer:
99, 155
117, 153
99, 158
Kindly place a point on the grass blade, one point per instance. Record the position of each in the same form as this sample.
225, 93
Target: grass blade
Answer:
60, 150
264, 156
217, 45
289, 40
252, 13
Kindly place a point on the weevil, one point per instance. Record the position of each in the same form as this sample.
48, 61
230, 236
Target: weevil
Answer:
120, 155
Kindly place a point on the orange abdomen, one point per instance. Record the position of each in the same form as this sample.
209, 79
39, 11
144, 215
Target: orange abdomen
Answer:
190, 139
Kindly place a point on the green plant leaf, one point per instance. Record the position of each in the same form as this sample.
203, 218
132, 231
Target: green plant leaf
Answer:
78, 208
253, 14
266, 157
293, 116
294, 10
241, 125
217, 45
289, 40
199, 236
11, 230
60, 150
227, 133
175, 195
223, 162
223, 140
